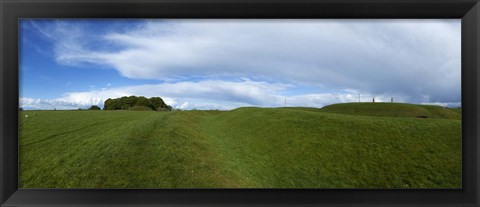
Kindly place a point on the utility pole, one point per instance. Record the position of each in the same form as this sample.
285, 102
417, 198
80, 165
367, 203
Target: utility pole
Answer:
392, 100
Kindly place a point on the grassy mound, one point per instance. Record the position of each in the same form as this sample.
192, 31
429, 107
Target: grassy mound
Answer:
392, 110
306, 148
140, 108
456, 110
242, 148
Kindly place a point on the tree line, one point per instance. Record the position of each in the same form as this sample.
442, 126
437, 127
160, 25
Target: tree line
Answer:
126, 102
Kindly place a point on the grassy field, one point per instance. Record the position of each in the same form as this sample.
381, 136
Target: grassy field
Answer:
357, 145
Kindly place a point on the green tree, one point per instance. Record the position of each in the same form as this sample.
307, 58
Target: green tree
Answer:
94, 107
159, 104
108, 104
126, 102
142, 101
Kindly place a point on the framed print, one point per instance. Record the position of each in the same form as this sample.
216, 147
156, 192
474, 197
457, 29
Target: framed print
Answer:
345, 103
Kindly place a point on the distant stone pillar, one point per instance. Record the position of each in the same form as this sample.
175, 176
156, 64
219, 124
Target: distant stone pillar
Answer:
392, 100
373, 100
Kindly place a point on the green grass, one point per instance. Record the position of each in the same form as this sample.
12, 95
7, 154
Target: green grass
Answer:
140, 108
242, 148
456, 110
393, 110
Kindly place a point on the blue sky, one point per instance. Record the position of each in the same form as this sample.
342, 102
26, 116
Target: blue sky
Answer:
224, 64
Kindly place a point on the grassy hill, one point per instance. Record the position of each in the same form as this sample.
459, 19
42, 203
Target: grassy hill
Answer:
242, 148
393, 110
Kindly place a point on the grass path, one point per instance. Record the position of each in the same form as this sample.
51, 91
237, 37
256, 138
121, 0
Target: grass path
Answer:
147, 150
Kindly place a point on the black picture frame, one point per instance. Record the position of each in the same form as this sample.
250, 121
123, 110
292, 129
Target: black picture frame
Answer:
466, 10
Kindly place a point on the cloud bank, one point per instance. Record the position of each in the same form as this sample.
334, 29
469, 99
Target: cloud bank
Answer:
208, 95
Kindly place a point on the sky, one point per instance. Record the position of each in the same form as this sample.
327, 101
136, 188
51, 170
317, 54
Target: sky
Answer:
225, 64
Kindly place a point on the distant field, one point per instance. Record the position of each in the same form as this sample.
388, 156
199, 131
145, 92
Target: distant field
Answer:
361, 145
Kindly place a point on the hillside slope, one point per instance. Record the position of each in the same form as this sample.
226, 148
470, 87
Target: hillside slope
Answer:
293, 148
392, 110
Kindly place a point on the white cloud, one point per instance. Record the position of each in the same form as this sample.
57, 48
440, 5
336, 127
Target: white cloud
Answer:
31, 103
184, 105
409, 58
